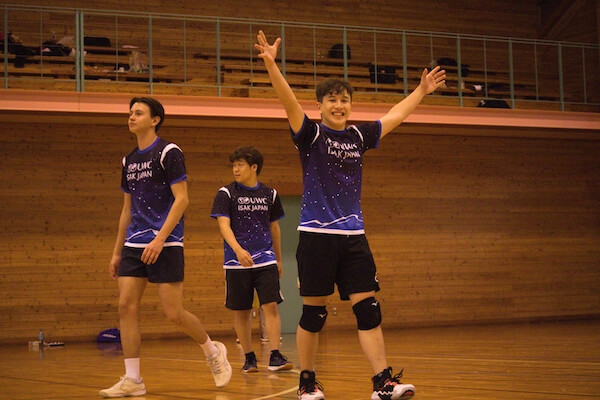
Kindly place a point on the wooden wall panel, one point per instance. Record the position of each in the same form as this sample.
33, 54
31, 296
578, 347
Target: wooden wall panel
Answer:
466, 227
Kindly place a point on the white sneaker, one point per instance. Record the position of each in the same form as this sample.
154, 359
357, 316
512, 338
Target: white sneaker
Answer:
219, 366
124, 388
316, 394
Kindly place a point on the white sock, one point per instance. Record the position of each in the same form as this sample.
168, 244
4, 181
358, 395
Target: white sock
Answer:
132, 369
208, 347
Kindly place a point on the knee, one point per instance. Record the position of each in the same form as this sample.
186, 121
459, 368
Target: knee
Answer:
313, 318
127, 308
368, 314
175, 316
270, 309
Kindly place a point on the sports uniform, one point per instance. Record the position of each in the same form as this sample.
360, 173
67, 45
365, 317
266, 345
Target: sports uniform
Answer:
251, 212
333, 247
147, 176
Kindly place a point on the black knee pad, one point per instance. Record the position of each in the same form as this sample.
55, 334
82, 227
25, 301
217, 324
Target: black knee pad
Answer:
313, 318
368, 314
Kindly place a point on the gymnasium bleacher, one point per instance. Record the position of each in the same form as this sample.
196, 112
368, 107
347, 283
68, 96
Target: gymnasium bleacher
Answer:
171, 54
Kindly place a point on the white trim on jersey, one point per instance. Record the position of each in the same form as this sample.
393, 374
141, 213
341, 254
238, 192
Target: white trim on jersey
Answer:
224, 189
331, 231
253, 266
274, 195
143, 245
335, 221
167, 148
316, 135
357, 131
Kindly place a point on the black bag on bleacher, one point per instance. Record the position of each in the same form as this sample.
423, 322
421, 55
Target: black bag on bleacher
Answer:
493, 103
385, 74
96, 41
337, 51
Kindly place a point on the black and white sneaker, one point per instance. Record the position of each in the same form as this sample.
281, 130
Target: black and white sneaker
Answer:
388, 387
278, 362
309, 388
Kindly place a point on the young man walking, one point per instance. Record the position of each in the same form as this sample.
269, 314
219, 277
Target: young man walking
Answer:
149, 245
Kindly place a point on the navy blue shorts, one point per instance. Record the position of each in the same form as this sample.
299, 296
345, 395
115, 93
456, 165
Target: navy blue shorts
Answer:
242, 282
168, 267
325, 260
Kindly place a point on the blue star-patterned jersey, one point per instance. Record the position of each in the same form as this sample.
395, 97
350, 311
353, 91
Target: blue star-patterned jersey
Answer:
147, 176
250, 211
332, 175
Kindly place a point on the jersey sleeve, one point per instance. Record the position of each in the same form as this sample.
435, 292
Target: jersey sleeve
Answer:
371, 134
124, 185
173, 162
307, 134
277, 209
222, 204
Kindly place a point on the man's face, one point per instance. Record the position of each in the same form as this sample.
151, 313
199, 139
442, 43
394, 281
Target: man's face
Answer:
140, 119
243, 172
335, 109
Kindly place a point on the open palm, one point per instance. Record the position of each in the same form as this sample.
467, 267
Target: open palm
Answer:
267, 51
432, 80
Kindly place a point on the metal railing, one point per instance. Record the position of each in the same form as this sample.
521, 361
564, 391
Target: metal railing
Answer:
171, 53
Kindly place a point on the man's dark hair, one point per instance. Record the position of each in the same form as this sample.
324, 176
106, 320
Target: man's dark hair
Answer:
250, 154
156, 109
333, 86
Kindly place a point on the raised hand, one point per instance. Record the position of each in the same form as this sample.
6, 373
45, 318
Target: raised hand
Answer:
432, 80
268, 52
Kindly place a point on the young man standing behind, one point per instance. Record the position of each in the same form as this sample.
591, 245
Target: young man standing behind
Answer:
149, 245
247, 213
333, 249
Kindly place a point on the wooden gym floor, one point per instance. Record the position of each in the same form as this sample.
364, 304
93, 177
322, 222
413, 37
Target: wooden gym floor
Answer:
550, 360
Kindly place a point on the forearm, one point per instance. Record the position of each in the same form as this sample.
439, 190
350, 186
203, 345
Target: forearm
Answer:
285, 95
173, 217
400, 111
276, 237
124, 221
229, 236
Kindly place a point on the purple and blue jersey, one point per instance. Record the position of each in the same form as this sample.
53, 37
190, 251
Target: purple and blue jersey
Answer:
332, 175
147, 176
250, 211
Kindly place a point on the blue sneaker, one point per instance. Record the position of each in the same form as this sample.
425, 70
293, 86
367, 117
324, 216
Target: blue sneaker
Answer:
278, 362
250, 365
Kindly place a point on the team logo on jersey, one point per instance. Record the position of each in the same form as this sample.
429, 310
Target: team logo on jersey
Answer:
342, 150
137, 171
253, 204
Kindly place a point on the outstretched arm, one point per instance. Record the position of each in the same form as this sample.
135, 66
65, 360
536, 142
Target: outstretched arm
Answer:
429, 82
268, 52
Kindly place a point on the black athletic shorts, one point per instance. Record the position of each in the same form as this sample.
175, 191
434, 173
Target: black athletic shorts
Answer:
328, 259
242, 282
167, 268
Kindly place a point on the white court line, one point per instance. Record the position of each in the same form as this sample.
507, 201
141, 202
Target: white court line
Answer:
290, 390
269, 396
